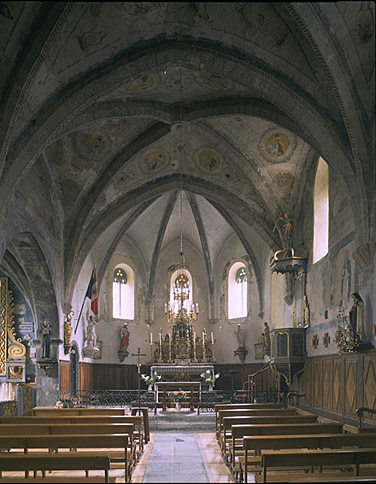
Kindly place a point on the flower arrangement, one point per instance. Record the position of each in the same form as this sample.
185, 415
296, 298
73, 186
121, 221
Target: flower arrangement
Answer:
150, 380
345, 338
59, 404
209, 378
177, 396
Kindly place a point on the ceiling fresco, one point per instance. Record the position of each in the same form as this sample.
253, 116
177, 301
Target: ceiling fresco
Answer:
136, 106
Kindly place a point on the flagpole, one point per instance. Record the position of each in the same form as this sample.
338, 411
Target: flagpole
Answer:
79, 316
86, 295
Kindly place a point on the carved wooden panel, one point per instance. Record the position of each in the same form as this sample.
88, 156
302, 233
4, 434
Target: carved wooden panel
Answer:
64, 375
308, 382
370, 386
317, 383
327, 385
338, 386
351, 394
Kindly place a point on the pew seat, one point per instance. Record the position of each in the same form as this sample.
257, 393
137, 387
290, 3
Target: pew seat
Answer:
291, 458
43, 462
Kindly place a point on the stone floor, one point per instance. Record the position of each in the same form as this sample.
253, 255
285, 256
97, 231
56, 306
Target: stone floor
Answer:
182, 457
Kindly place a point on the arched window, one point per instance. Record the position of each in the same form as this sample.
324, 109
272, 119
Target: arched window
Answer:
321, 212
123, 292
237, 291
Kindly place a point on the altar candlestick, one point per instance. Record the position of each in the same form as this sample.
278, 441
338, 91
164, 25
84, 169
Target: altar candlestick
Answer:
212, 338
151, 338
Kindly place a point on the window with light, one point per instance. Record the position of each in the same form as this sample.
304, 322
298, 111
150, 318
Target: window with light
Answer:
123, 293
237, 291
321, 212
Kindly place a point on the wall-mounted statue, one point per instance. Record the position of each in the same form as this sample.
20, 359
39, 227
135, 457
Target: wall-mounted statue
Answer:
356, 317
91, 348
124, 342
266, 339
68, 332
241, 352
46, 339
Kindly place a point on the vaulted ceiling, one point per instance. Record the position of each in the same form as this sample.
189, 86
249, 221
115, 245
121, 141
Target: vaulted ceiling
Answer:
142, 112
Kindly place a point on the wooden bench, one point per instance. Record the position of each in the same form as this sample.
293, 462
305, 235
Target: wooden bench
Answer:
227, 422
76, 429
83, 419
106, 442
57, 479
46, 462
257, 444
238, 432
317, 457
252, 412
45, 411
234, 406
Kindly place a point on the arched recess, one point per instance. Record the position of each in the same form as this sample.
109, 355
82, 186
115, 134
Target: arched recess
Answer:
215, 195
26, 264
297, 106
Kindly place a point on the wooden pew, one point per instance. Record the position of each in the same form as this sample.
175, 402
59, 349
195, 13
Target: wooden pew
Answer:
73, 429
290, 458
238, 432
255, 412
45, 411
57, 480
94, 419
256, 444
227, 422
58, 462
234, 406
88, 441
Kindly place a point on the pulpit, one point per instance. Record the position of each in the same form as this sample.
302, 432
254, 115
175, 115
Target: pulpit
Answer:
288, 352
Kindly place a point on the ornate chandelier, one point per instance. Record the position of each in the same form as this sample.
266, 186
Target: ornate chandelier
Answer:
181, 310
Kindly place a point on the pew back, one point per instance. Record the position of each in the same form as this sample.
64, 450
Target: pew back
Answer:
45, 411
238, 432
317, 457
88, 441
301, 443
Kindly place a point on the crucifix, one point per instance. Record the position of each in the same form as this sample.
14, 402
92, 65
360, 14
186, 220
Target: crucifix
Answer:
138, 354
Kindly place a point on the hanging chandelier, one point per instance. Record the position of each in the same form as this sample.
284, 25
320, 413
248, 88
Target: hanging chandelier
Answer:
180, 308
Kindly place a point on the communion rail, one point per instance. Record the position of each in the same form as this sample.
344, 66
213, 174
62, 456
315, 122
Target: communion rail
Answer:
129, 398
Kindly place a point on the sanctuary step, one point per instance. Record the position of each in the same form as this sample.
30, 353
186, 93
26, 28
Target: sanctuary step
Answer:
183, 421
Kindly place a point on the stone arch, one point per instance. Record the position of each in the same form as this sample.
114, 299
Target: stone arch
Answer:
242, 71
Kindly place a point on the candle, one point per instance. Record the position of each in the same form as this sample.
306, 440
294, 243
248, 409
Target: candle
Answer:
212, 338
151, 338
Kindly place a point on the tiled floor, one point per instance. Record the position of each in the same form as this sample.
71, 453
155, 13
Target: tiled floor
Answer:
189, 467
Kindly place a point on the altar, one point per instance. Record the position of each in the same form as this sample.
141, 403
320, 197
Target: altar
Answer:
181, 372
191, 387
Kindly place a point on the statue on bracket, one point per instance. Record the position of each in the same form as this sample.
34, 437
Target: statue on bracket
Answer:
266, 339
241, 352
46, 340
124, 342
91, 348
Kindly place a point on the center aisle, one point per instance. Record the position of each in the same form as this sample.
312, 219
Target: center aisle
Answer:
182, 457
175, 457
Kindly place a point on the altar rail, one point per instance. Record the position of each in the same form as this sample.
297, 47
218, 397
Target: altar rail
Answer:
129, 398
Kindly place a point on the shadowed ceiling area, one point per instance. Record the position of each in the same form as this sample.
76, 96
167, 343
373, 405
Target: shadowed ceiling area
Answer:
144, 114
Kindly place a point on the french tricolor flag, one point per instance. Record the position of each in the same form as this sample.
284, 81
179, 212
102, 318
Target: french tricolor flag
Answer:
92, 292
